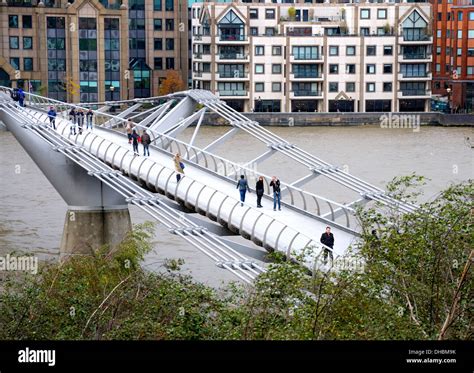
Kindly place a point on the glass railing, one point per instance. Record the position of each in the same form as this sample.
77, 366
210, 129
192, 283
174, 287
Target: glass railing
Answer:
233, 93
415, 56
299, 93
306, 57
305, 74
232, 56
233, 74
233, 37
415, 92
416, 37
412, 75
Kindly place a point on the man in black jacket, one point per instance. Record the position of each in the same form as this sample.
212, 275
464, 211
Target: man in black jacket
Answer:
275, 183
327, 238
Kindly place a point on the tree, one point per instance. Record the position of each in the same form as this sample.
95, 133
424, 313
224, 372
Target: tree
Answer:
292, 13
172, 83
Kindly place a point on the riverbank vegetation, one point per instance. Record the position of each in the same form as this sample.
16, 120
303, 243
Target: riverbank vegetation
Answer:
414, 280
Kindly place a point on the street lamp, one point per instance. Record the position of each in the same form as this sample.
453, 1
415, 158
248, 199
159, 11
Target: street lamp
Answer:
112, 88
449, 98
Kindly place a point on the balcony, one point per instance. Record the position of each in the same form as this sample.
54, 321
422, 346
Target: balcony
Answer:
416, 57
415, 39
423, 77
202, 75
234, 39
305, 93
205, 39
414, 93
306, 76
231, 75
236, 93
202, 56
305, 58
232, 57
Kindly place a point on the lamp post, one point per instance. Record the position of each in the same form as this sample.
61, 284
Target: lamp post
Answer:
449, 99
112, 88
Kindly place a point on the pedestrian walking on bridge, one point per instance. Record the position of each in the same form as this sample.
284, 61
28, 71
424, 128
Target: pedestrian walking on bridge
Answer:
327, 239
243, 187
275, 183
52, 116
178, 166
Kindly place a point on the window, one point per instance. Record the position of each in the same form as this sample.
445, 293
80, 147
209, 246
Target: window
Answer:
333, 87
387, 50
276, 51
470, 70
253, 13
276, 87
459, 52
269, 31
276, 68
169, 24
470, 34
27, 21
259, 68
269, 13
333, 69
471, 16
438, 51
305, 53
158, 63
387, 87
15, 62
169, 44
440, 16
351, 68
13, 21
27, 42
28, 64
158, 44
470, 52
371, 50
382, 13
438, 33
370, 69
14, 42
350, 50
370, 87
365, 31
459, 16
169, 5
169, 63
350, 87
333, 50
254, 31
157, 24
365, 14
459, 34
259, 50
387, 68
259, 87
157, 5
415, 70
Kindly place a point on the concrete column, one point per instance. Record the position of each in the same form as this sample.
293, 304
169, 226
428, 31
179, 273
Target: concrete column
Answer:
87, 229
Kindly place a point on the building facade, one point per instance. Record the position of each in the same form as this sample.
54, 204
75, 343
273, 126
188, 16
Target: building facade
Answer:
90, 50
453, 47
314, 57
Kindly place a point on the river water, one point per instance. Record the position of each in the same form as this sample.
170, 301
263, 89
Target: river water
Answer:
32, 213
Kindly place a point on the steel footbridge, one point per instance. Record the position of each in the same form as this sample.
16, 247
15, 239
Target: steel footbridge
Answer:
208, 186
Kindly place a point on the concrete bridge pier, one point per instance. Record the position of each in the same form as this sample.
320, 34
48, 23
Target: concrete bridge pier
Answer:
88, 228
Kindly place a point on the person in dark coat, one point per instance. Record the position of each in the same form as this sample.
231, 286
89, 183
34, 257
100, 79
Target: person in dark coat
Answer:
243, 186
275, 183
260, 190
135, 137
89, 116
21, 97
72, 120
327, 239
146, 141
80, 120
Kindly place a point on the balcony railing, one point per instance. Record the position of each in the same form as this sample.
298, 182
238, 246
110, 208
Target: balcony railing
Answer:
233, 74
419, 37
415, 92
232, 56
415, 56
421, 75
299, 93
233, 93
301, 57
232, 37
303, 74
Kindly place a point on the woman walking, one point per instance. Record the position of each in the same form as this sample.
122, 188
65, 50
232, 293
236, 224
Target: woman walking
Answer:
135, 137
